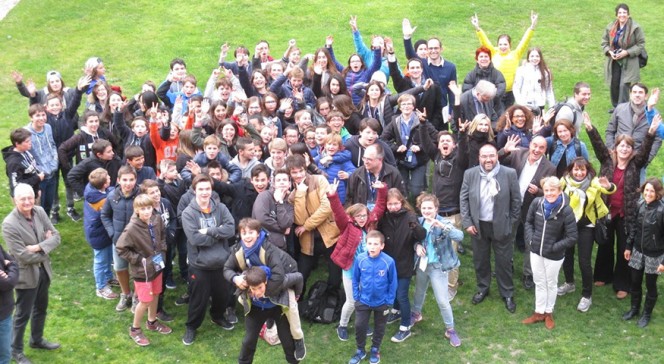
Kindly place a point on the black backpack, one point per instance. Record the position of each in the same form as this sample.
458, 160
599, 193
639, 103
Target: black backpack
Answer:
323, 303
559, 106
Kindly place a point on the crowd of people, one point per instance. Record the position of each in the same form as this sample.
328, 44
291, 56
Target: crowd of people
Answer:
278, 162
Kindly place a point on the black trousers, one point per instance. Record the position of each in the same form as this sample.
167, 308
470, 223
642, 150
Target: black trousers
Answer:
203, 285
362, 315
307, 263
610, 263
252, 327
31, 305
585, 242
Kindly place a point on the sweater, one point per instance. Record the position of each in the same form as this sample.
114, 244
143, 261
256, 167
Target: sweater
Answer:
507, 63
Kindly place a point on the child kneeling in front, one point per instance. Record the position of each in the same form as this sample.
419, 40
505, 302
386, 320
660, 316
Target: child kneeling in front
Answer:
143, 245
262, 308
374, 290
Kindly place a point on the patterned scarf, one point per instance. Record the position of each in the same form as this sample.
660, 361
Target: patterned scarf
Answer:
576, 190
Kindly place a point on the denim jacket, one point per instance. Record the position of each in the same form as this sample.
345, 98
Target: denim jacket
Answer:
442, 243
570, 151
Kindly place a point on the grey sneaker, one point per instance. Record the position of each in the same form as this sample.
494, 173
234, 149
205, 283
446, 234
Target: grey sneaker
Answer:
107, 293
124, 303
584, 304
300, 349
566, 288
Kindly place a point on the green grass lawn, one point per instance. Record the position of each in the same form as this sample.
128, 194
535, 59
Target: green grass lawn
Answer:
137, 40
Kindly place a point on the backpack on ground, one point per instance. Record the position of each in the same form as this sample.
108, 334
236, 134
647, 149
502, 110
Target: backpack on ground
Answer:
323, 303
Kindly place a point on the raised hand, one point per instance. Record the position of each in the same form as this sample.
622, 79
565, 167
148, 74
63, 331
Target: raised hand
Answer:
291, 43
475, 21
378, 184
586, 121
353, 22
17, 76
83, 82
205, 106
328, 41
332, 188
604, 182
655, 124
428, 83
32, 88
421, 115
533, 19
654, 98
407, 29
512, 143
224, 49
389, 45
456, 89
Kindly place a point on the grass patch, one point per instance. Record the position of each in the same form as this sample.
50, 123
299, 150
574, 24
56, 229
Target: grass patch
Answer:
138, 39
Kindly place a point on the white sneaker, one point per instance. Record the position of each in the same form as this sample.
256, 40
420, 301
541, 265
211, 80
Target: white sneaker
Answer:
107, 293
584, 304
566, 288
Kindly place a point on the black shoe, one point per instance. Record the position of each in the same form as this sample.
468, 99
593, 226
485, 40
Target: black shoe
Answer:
163, 316
479, 297
528, 283
73, 214
55, 218
223, 323
20, 358
510, 305
300, 349
46, 345
183, 300
230, 315
189, 336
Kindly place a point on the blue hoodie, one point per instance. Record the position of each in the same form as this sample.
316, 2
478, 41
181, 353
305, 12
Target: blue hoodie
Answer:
374, 280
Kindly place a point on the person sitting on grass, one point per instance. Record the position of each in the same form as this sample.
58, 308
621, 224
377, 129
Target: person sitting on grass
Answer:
285, 285
143, 245
95, 195
374, 289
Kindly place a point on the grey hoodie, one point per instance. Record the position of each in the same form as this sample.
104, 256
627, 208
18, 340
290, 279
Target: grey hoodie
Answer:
209, 251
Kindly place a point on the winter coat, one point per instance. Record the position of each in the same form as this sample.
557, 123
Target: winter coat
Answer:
492, 75
242, 195
340, 162
374, 280
568, 151
528, 90
621, 123
594, 208
363, 75
358, 185
7, 284
402, 231
550, 237
351, 234
20, 168
313, 212
117, 211
207, 251
357, 151
631, 174
392, 136
275, 217
234, 172
126, 138
78, 176
136, 243
93, 227
80, 145
284, 90
648, 235
634, 42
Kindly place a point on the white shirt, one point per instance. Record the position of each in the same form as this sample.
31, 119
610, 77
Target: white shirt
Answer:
527, 174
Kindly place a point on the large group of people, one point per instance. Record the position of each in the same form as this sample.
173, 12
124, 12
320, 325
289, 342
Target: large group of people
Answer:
277, 162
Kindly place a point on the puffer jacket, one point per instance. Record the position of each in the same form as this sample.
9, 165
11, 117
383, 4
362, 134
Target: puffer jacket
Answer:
340, 162
94, 230
351, 234
648, 235
402, 231
550, 237
117, 211
136, 243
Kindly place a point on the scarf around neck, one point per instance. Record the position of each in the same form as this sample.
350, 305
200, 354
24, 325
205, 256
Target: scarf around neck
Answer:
638, 112
492, 188
550, 206
576, 190
251, 255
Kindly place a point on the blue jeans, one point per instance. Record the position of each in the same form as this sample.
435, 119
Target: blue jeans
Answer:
48, 188
101, 266
402, 302
6, 339
439, 284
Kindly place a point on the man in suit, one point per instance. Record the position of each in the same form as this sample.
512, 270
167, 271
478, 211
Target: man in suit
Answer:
531, 166
30, 237
490, 205
479, 100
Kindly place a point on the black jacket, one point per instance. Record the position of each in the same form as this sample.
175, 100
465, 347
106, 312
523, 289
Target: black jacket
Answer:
78, 176
550, 237
392, 136
648, 234
7, 284
357, 151
20, 168
402, 232
357, 190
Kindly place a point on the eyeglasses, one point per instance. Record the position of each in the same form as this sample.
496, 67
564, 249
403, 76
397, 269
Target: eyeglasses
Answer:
363, 216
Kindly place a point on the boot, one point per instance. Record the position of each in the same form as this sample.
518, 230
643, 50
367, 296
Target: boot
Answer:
536, 317
636, 306
647, 312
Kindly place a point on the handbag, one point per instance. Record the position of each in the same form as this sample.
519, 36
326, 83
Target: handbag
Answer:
602, 231
643, 58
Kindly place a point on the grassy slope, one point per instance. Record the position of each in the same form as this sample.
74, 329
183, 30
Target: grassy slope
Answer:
137, 39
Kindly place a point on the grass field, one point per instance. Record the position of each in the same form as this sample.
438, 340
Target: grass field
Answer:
137, 40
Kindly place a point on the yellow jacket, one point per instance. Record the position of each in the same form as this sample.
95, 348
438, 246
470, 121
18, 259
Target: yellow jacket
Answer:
507, 63
595, 206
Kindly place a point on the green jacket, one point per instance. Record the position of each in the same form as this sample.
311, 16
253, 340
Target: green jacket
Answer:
634, 42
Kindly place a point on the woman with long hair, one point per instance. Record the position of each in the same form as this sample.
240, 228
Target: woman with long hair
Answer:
344, 104
479, 133
564, 145
533, 83
584, 189
517, 121
623, 42
621, 166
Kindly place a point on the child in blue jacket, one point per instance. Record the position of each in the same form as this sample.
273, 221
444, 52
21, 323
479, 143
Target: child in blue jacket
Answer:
374, 290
